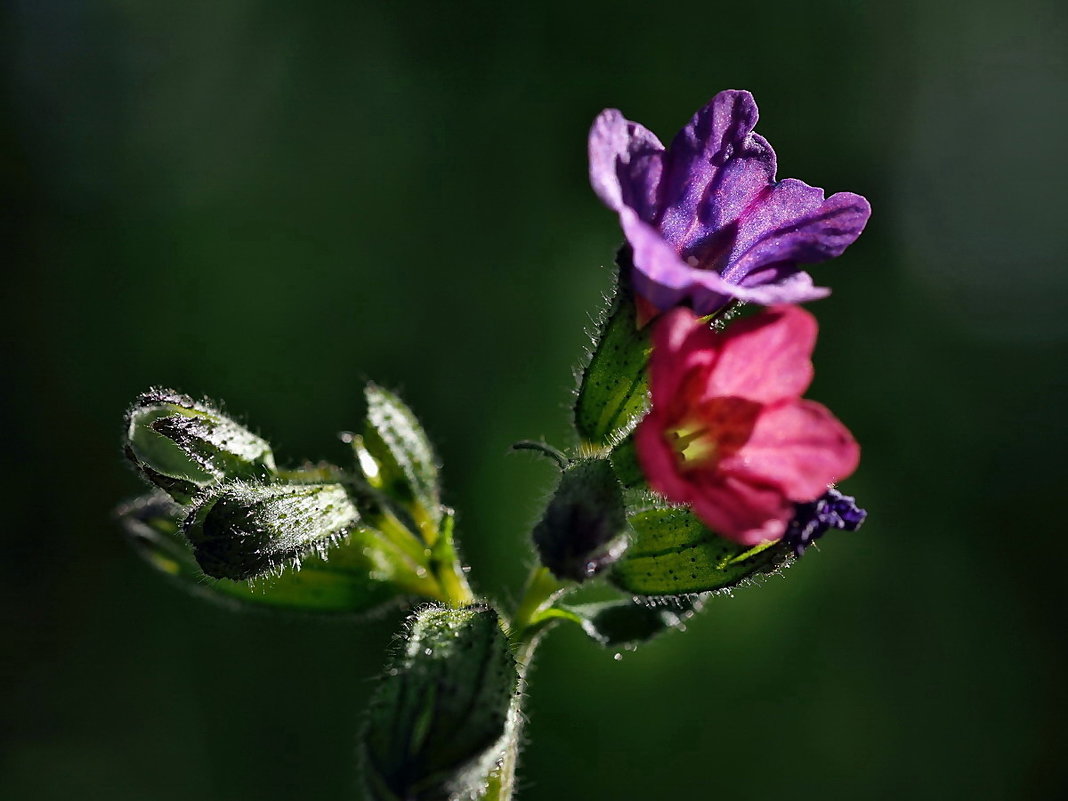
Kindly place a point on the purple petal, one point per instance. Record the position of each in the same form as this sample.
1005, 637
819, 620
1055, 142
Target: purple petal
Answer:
660, 275
791, 224
665, 280
625, 163
714, 168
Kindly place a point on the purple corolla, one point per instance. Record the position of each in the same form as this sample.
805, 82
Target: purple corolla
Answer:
705, 218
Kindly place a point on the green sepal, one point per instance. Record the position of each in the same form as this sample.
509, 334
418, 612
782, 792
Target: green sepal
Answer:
184, 446
396, 457
628, 470
613, 392
627, 624
243, 529
674, 553
438, 720
584, 527
351, 581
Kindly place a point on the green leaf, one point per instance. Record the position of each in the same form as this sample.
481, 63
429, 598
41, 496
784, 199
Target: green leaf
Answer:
626, 624
674, 553
185, 446
584, 527
613, 392
440, 715
350, 581
396, 456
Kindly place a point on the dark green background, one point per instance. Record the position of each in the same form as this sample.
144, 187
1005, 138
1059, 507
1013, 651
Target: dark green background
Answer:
270, 202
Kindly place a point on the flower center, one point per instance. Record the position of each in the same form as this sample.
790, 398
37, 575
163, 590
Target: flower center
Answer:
719, 429
713, 251
693, 443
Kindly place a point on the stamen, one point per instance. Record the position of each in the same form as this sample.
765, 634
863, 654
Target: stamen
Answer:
693, 443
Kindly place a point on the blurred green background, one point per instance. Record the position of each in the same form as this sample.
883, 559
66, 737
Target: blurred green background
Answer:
269, 203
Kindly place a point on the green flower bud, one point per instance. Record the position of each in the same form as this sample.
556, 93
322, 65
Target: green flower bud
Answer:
439, 719
184, 446
244, 529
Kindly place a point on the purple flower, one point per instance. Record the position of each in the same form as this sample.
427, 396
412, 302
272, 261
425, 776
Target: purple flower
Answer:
706, 220
813, 520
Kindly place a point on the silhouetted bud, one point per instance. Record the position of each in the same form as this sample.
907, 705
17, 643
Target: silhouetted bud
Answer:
584, 528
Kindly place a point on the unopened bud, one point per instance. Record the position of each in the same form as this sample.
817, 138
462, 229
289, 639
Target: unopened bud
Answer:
185, 446
244, 529
441, 712
584, 528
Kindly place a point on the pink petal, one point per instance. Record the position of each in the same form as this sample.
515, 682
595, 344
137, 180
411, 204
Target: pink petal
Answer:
767, 357
741, 510
681, 344
798, 446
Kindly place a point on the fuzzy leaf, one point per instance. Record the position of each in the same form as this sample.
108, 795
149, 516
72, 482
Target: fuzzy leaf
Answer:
440, 715
402, 462
626, 624
348, 582
674, 553
614, 391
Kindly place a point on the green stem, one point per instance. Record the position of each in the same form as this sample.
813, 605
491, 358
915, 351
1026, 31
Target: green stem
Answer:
446, 567
545, 449
529, 623
541, 590
453, 583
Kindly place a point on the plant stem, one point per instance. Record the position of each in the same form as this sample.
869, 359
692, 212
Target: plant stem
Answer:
545, 449
453, 583
541, 590
528, 625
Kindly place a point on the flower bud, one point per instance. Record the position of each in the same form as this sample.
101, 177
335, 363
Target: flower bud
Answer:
441, 712
184, 446
245, 529
584, 528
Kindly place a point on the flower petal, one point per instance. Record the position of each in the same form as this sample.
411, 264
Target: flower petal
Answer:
800, 447
681, 344
792, 223
713, 169
625, 163
742, 510
660, 275
665, 280
767, 357
658, 461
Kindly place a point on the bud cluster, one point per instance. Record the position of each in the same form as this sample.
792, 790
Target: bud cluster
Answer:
316, 538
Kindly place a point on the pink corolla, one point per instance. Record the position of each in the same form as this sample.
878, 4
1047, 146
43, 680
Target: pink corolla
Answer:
728, 432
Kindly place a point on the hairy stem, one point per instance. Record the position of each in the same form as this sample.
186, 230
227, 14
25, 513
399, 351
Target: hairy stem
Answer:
529, 623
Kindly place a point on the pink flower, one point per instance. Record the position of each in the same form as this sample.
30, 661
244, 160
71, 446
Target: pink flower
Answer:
729, 433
